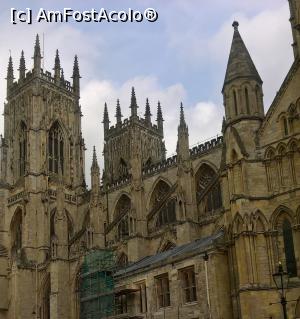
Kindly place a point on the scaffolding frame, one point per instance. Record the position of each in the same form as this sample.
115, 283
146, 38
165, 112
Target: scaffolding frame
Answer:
97, 285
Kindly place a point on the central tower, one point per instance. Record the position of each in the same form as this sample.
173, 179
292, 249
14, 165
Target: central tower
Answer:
134, 138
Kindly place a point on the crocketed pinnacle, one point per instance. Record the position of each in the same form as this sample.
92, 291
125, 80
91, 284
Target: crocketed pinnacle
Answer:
76, 72
105, 114
148, 112
182, 119
133, 103
22, 67
95, 165
118, 112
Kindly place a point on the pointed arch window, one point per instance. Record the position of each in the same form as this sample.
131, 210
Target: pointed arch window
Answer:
16, 234
247, 101
55, 149
122, 215
22, 149
208, 190
235, 103
289, 248
164, 206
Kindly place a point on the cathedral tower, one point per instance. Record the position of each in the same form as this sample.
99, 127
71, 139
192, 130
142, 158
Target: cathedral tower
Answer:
131, 137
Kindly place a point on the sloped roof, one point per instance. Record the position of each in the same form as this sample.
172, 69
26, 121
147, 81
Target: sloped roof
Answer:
199, 245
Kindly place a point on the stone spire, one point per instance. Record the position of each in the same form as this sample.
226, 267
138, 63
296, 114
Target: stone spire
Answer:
22, 67
57, 68
95, 172
148, 112
295, 24
118, 113
183, 150
76, 77
240, 64
159, 119
105, 120
133, 104
37, 57
10, 74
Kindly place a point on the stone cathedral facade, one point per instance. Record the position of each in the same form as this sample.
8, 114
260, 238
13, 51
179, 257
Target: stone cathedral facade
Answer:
195, 236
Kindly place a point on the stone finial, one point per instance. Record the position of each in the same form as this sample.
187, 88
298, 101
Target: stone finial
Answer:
235, 25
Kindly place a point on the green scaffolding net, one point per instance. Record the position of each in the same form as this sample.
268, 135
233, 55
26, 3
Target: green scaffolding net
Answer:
97, 285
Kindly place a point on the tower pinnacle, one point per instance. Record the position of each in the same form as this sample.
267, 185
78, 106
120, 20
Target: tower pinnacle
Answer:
37, 57
159, 119
133, 104
57, 68
148, 112
118, 113
105, 119
22, 67
10, 74
76, 77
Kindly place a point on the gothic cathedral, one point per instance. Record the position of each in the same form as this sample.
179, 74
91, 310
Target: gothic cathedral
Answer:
197, 235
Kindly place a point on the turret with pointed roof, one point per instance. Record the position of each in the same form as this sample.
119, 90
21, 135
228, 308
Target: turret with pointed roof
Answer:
242, 87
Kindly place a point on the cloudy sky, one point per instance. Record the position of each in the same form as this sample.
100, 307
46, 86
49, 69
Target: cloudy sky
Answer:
180, 57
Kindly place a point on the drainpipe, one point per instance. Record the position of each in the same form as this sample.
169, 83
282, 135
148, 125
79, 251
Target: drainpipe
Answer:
205, 258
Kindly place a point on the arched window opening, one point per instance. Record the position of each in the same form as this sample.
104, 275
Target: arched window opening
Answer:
55, 149
46, 300
167, 214
122, 213
289, 248
247, 101
16, 235
208, 190
168, 246
122, 260
258, 98
123, 170
163, 206
235, 103
285, 126
22, 149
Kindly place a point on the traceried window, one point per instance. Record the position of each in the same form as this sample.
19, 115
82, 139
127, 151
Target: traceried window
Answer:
163, 291
164, 207
122, 215
122, 260
289, 248
208, 189
188, 282
22, 149
55, 149
16, 234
